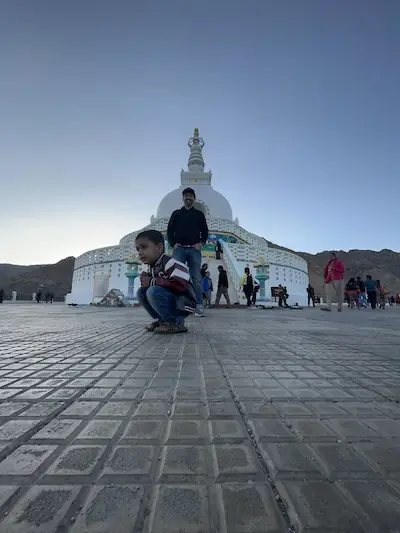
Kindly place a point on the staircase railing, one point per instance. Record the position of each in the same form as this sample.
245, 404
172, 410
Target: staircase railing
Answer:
231, 268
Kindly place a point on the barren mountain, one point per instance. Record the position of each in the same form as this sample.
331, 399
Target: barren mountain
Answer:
25, 280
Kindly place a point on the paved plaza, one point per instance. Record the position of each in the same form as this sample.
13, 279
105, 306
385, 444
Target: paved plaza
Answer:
253, 422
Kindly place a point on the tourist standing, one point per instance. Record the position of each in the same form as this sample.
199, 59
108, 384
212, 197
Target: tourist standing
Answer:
334, 280
247, 284
187, 234
381, 294
207, 288
203, 270
223, 286
371, 288
255, 292
38, 296
1, 295
218, 251
280, 295
285, 296
311, 295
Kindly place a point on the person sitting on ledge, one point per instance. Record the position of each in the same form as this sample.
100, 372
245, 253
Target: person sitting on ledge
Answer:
166, 291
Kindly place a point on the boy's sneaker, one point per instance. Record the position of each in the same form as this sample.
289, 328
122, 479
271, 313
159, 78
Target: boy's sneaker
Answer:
152, 327
199, 311
170, 328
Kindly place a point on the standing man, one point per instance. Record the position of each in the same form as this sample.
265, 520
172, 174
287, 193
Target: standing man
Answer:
334, 281
311, 295
223, 286
371, 286
187, 234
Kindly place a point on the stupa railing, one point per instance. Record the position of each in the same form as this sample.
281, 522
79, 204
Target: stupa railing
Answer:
231, 268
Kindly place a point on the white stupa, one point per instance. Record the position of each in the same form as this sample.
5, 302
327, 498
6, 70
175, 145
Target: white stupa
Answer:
115, 267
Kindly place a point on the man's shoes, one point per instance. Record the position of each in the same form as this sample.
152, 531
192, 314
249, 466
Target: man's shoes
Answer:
199, 311
326, 309
153, 326
170, 328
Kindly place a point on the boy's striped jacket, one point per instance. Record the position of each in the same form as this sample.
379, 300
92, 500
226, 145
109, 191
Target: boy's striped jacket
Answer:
174, 276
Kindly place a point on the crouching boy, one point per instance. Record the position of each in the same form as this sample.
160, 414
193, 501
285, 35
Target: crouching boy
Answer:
166, 291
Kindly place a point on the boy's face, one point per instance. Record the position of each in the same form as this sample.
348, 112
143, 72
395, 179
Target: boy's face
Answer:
148, 251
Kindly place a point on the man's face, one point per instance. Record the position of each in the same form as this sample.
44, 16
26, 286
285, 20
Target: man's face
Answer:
332, 257
148, 251
188, 199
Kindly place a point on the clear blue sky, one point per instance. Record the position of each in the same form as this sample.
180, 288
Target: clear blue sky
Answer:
298, 103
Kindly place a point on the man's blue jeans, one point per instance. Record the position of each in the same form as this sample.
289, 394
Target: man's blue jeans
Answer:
192, 258
160, 303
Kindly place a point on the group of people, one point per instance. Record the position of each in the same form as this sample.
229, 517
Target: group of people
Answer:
357, 292
208, 288
48, 297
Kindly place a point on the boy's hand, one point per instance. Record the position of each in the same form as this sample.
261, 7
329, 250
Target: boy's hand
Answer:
198, 246
145, 280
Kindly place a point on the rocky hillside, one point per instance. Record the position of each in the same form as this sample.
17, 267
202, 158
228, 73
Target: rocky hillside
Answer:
383, 265
25, 280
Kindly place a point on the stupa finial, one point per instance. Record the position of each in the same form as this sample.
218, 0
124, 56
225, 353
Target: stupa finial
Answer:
196, 143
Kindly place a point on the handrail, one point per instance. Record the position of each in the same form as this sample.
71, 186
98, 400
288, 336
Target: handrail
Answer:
230, 267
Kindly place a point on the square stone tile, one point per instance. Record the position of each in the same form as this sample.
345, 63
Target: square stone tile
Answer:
115, 409
57, 429
144, 430
250, 509
351, 429
80, 409
99, 430
227, 430
41, 510
189, 409
180, 509
6, 493
379, 501
293, 409
291, 460
340, 461
184, 431
265, 409
34, 394
12, 408
76, 461
153, 409
383, 456
25, 460
314, 504
126, 394
111, 508
63, 394
13, 429
312, 430
41, 409
182, 463
385, 427
96, 393
236, 462
130, 461
271, 429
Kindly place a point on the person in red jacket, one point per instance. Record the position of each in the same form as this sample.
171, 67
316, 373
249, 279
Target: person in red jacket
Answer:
334, 280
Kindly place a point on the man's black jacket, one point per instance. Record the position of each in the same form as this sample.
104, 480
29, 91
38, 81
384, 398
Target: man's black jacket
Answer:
187, 227
223, 279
